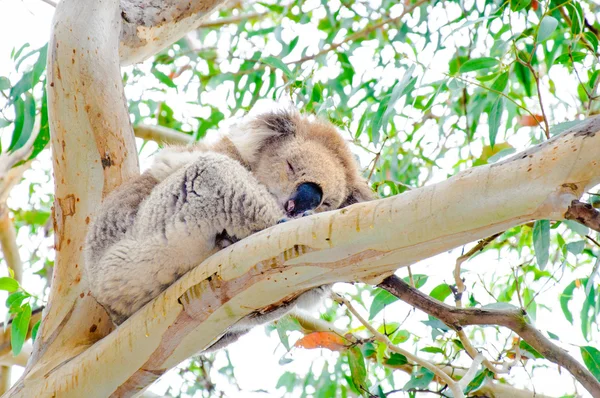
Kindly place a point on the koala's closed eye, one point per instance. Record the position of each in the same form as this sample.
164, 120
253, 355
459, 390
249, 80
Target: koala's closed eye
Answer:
290, 167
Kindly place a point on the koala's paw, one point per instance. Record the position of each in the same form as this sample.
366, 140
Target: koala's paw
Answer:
223, 240
305, 214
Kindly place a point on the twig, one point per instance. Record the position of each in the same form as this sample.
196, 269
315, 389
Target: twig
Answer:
515, 320
454, 386
460, 286
232, 20
584, 213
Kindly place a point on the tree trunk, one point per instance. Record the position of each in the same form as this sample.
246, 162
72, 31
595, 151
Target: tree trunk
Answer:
76, 355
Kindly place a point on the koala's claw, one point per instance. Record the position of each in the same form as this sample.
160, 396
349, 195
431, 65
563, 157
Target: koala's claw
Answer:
282, 220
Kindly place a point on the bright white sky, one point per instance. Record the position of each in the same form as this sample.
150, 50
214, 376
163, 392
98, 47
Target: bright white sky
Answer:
256, 356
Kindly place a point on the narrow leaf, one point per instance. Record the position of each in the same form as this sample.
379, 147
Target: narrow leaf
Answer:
478, 63
19, 329
277, 64
358, 369
591, 358
541, 242
495, 117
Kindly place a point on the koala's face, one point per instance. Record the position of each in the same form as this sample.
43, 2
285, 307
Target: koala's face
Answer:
305, 164
302, 175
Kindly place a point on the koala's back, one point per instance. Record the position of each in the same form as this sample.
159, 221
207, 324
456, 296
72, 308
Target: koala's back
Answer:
149, 233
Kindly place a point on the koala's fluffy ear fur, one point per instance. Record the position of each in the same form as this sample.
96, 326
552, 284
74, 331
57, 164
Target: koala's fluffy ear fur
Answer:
250, 137
360, 192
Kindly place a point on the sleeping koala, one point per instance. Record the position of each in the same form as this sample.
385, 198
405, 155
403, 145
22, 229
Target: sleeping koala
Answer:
195, 200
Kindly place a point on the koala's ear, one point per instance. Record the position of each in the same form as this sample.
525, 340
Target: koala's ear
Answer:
249, 138
360, 192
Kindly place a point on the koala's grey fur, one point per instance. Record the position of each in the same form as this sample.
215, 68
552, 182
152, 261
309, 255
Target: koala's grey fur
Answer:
194, 201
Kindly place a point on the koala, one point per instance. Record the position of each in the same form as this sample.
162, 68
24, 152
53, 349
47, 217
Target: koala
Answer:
196, 200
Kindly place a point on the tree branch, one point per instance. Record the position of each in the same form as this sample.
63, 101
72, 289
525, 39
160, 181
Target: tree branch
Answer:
364, 242
585, 214
161, 135
515, 320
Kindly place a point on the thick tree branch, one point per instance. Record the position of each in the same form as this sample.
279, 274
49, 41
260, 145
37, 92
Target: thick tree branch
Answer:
515, 320
585, 214
365, 242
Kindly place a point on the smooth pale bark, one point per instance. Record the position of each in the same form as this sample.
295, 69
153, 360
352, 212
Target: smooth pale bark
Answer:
94, 151
364, 242
151, 25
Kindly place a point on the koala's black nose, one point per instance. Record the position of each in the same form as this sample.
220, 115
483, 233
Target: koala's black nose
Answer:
307, 197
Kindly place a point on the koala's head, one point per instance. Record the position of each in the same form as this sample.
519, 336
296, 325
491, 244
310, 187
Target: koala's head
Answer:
305, 164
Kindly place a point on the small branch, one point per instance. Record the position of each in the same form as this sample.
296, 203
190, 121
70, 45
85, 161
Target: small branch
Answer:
8, 243
231, 20
460, 286
161, 135
515, 320
453, 385
584, 213
360, 34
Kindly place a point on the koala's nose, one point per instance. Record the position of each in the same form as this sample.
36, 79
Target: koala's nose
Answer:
307, 197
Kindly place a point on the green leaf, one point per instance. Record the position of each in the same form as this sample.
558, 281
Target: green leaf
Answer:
576, 227
164, 79
541, 242
495, 117
278, 64
441, 292
288, 381
380, 300
500, 83
478, 380
478, 63
34, 330
419, 280
4, 83
433, 350
284, 325
358, 371
591, 358
8, 284
396, 359
565, 58
567, 296
24, 121
518, 5
576, 247
553, 336
419, 380
19, 329
15, 299
526, 347
43, 136
547, 27
4, 123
